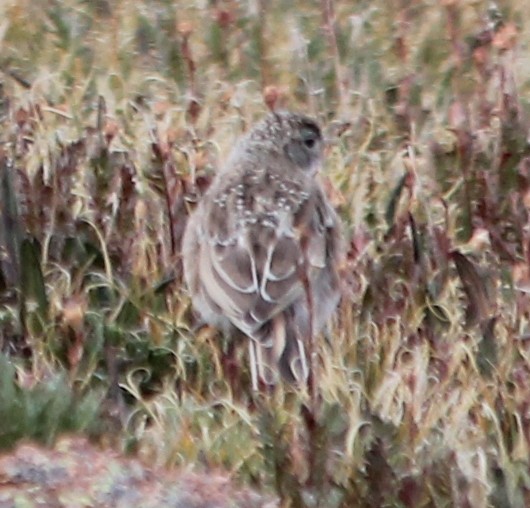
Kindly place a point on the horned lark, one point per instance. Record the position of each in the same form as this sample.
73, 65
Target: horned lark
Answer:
262, 249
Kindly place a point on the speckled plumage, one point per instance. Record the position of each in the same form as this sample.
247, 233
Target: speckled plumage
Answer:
263, 227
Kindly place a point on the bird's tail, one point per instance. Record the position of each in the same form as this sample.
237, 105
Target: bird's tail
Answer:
278, 350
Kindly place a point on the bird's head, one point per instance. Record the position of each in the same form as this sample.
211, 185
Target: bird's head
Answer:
297, 137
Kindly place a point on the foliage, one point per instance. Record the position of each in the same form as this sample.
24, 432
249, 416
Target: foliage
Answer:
114, 116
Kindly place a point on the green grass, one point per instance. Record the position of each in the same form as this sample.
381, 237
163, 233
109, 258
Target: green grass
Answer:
114, 117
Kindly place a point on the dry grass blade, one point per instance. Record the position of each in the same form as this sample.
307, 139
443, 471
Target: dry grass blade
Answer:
481, 306
488, 349
33, 291
10, 226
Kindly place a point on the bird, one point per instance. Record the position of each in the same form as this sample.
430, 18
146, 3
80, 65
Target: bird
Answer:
262, 250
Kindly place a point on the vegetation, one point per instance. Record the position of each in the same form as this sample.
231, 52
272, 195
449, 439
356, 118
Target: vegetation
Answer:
114, 117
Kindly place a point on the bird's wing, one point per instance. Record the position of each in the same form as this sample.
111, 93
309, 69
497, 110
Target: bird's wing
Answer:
250, 263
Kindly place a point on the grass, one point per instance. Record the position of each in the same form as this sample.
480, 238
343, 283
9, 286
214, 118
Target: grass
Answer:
114, 117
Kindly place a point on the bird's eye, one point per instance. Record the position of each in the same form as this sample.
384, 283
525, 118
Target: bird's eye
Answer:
309, 142
303, 148
310, 137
